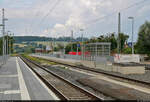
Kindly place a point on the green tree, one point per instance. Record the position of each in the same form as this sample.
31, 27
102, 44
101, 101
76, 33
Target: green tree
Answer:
68, 48
127, 50
123, 39
113, 40
74, 47
109, 38
60, 46
143, 43
10, 46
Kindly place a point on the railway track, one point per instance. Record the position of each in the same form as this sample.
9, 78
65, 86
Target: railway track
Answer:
63, 88
114, 76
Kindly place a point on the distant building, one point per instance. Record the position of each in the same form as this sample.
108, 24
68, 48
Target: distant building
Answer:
39, 50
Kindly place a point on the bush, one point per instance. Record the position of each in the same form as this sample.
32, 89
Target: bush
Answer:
127, 50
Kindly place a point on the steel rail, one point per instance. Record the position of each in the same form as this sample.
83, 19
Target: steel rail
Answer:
58, 93
100, 72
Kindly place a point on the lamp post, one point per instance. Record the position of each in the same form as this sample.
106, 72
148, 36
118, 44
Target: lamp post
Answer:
132, 18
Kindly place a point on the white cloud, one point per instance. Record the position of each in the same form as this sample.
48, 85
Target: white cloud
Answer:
143, 10
67, 15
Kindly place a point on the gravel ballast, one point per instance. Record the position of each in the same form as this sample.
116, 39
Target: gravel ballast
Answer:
73, 76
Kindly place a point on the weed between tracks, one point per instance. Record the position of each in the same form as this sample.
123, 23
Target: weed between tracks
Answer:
42, 61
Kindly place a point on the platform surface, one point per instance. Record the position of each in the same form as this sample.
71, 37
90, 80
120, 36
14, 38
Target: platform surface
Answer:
18, 82
68, 61
119, 90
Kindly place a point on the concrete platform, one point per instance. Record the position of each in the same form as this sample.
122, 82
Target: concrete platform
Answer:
65, 61
129, 69
116, 89
18, 82
99, 65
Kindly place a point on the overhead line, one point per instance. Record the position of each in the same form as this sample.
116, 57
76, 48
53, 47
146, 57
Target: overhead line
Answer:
100, 18
36, 14
53, 7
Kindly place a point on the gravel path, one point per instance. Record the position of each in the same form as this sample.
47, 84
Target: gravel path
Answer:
142, 77
73, 76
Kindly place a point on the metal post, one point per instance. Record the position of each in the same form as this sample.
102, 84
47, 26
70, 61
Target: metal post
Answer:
64, 50
96, 55
82, 38
72, 40
10, 45
132, 36
82, 45
132, 18
3, 31
7, 50
64, 46
109, 49
119, 27
77, 50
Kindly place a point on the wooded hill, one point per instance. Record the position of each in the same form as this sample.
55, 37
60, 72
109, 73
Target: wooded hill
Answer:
19, 39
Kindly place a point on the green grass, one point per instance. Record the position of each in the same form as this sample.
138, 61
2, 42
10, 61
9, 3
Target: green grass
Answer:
38, 60
14, 55
42, 61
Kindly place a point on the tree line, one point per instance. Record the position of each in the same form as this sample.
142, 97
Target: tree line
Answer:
10, 44
142, 45
20, 39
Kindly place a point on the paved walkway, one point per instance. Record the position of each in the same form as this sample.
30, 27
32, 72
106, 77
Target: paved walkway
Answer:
18, 82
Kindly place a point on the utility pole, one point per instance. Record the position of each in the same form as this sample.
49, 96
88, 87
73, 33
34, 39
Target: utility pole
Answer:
9, 45
12, 46
3, 31
82, 38
72, 40
132, 36
132, 18
53, 44
119, 30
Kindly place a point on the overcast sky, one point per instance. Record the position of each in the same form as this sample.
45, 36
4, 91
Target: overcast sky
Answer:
55, 18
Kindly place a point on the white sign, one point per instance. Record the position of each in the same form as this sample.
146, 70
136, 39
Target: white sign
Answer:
127, 58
